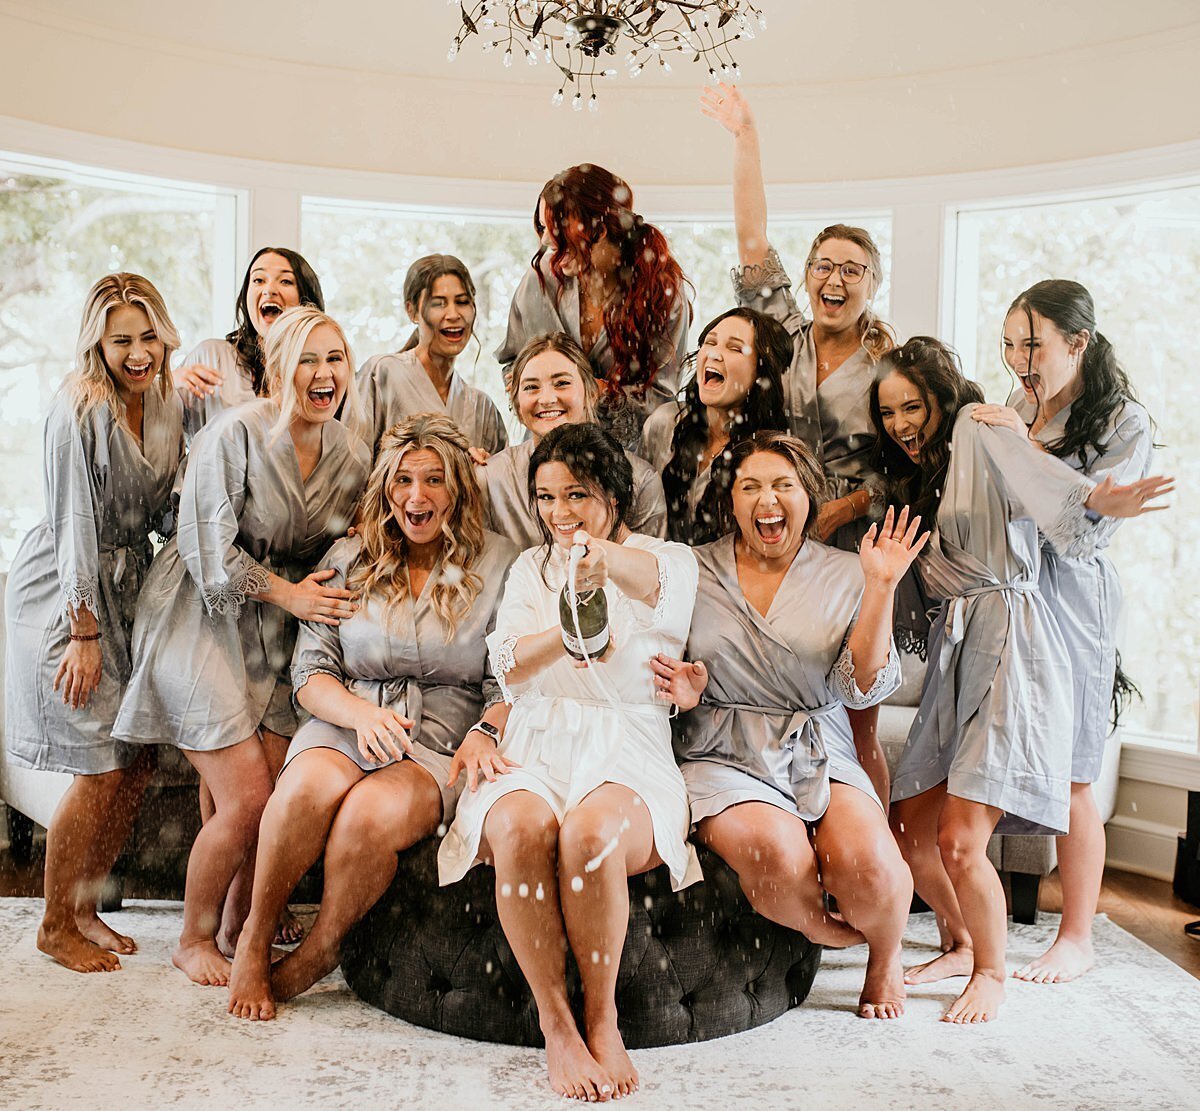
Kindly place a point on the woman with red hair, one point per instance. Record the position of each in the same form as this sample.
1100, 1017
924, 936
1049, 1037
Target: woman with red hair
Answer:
608, 279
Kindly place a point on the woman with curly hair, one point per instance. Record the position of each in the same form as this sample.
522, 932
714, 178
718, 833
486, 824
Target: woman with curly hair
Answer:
609, 280
396, 693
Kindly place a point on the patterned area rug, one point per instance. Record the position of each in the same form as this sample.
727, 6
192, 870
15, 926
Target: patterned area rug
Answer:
1125, 1036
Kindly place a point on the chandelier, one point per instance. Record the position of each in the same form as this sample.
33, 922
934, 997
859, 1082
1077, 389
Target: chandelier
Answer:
579, 38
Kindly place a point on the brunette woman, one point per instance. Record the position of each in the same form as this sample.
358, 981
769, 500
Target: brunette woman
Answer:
394, 692
596, 796
114, 438
991, 742
737, 391
1075, 402
551, 384
439, 297
608, 279
269, 485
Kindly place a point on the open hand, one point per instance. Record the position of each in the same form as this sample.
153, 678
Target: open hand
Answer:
309, 600
1112, 500
79, 672
198, 379
478, 755
887, 550
678, 681
382, 734
728, 107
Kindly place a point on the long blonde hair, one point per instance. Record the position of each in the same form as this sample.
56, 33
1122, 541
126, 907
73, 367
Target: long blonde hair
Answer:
285, 345
90, 385
382, 563
877, 337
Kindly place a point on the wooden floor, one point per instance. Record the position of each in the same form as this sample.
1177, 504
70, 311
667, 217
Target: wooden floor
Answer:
1145, 907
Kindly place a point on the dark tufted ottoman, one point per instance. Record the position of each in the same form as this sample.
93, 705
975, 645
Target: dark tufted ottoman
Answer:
697, 964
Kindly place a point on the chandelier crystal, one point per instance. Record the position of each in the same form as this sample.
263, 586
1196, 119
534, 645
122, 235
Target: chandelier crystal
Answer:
579, 39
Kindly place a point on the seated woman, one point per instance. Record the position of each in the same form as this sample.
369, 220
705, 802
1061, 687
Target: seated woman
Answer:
439, 297
737, 391
795, 632
552, 384
396, 693
269, 486
992, 736
596, 796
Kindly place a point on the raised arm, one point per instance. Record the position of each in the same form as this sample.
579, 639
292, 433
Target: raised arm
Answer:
729, 108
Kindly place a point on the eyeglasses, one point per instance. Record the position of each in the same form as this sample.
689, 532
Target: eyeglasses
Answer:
852, 272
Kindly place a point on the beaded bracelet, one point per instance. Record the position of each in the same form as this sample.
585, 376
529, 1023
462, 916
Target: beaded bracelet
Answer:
83, 636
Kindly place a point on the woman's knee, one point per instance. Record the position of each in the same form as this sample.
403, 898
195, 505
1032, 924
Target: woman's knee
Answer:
961, 845
519, 827
592, 835
871, 873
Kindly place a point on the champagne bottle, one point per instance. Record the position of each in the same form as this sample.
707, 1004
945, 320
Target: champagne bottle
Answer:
593, 623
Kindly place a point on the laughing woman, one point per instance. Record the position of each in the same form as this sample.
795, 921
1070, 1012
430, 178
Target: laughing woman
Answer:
1075, 402
114, 438
992, 736
737, 391
439, 297
221, 373
269, 486
551, 384
394, 692
795, 632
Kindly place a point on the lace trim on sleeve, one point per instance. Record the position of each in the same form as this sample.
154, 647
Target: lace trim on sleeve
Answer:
81, 592
887, 679
1073, 534
301, 673
877, 489
750, 281
505, 661
228, 598
492, 694
660, 607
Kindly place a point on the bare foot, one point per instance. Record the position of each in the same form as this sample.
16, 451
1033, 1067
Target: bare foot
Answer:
1065, 960
202, 962
980, 1000
102, 934
74, 951
289, 930
957, 962
298, 970
883, 988
609, 1049
574, 1072
250, 982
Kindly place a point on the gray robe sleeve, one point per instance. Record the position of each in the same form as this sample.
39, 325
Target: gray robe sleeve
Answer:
648, 511
516, 335
71, 509
767, 288
318, 648
210, 507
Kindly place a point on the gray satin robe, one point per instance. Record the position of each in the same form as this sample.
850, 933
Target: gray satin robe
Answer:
834, 418
656, 448
504, 480
207, 659
407, 664
236, 389
393, 387
1085, 594
996, 716
104, 496
772, 726
534, 312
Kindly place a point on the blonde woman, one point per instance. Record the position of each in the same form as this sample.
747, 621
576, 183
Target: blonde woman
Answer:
114, 438
552, 383
397, 695
269, 485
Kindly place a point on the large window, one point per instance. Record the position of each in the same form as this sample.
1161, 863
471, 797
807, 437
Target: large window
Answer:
1139, 254
61, 228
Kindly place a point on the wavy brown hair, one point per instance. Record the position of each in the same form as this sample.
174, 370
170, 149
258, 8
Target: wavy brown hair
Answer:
382, 563
877, 337
789, 448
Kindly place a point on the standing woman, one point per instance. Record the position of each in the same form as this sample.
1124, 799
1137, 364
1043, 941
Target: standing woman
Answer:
394, 692
992, 736
737, 391
608, 279
439, 297
595, 795
221, 373
114, 438
795, 632
551, 384
269, 486
1075, 402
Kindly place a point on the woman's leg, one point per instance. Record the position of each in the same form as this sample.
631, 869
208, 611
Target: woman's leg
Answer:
864, 725
606, 839
295, 825
383, 814
240, 784
1081, 867
862, 868
769, 850
914, 822
963, 834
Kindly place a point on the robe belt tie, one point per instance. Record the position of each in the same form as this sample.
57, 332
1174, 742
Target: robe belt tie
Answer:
956, 618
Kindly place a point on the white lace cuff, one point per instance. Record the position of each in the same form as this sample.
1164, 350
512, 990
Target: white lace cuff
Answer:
504, 662
887, 679
80, 592
660, 607
229, 597
750, 282
1075, 534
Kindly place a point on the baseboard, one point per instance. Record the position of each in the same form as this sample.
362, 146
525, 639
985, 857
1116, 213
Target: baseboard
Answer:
1140, 846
